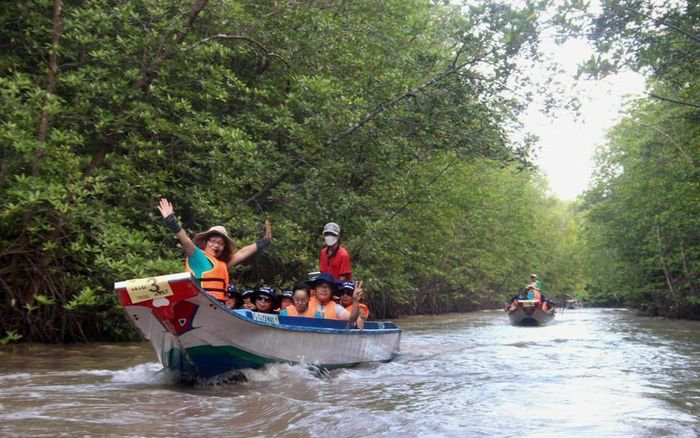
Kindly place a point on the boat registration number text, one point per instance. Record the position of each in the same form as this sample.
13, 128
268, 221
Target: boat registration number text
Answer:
144, 289
264, 317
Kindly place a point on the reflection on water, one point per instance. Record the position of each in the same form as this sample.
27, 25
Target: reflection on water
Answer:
592, 373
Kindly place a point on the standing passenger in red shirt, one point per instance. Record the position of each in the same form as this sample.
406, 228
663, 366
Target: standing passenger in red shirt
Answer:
334, 258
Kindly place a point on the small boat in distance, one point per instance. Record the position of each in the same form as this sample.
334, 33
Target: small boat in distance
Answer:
530, 312
574, 303
197, 337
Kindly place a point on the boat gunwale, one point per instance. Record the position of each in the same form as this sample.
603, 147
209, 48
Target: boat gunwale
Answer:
241, 314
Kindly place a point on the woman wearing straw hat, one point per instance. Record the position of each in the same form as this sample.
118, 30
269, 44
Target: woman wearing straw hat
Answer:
211, 253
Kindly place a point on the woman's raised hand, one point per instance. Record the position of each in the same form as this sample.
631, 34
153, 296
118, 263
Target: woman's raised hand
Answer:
268, 230
165, 207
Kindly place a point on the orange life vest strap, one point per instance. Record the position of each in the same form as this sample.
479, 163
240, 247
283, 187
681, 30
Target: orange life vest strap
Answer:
215, 280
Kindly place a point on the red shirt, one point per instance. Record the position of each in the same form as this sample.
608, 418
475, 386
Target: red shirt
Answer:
338, 265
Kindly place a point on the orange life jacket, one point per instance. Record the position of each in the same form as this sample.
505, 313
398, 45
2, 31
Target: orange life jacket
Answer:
364, 310
328, 309
215, 280
531, 289
309, 313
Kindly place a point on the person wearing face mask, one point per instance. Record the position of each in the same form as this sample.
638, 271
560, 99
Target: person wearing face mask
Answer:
334, 258
211, 253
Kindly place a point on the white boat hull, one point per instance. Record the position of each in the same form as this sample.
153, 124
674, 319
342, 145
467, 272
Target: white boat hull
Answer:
196, 336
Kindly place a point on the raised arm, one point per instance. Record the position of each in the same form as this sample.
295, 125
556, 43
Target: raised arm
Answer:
356, 295
247, 251
166, 210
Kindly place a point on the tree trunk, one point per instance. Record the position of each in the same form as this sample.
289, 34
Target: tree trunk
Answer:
148, 75
37, 279
43, 130
664, 267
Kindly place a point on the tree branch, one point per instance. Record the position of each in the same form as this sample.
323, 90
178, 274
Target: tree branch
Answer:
147, 77
223, 36
664, 267
663, 23
275, 182
149, 73
383, 106
393, 101
43, 131
667, 99
673, 141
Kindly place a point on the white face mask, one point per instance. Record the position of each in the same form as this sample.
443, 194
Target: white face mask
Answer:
330, 240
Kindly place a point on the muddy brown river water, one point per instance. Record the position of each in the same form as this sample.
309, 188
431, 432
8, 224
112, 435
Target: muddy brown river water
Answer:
592, 373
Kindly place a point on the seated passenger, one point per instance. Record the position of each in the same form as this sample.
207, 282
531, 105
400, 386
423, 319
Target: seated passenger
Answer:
264, 300
522, 295
346, 290
233, 299
311, 276
247, 297
322, 287
286, 299
547, 303
300, 299
534, 294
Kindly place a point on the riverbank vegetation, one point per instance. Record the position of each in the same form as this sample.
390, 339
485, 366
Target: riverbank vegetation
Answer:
396, 119
642, 213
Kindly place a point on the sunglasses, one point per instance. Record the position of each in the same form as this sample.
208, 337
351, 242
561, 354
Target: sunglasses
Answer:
263, 299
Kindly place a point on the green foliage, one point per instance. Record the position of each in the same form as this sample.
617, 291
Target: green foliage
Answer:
643, 212
641, 238
387, 117
10, 336
86, 297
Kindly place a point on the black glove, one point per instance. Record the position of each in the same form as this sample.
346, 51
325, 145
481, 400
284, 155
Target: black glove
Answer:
262, 244
171, 223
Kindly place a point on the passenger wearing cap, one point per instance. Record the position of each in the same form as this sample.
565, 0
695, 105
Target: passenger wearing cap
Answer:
233, 298
334, 258
346, 290
286, 299
212, 252
247, 297
300, 297
322, 303
264, 299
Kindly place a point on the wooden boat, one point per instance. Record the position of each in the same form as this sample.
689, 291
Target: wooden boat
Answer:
529, 313
197, 337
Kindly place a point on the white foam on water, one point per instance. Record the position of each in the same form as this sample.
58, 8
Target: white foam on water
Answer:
274, 372
15, 376
145, 373
78, 373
